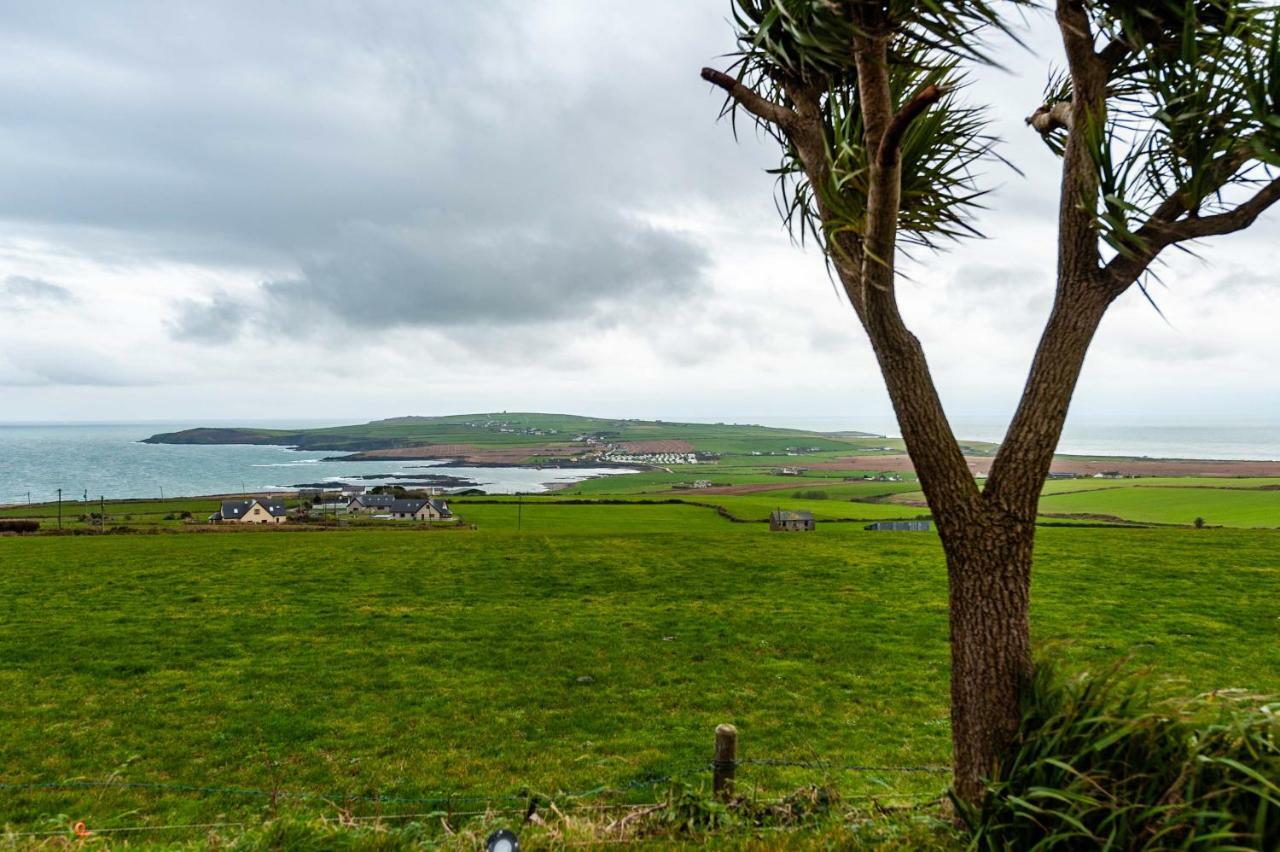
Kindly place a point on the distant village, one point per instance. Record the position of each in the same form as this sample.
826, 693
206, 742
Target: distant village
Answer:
349, 500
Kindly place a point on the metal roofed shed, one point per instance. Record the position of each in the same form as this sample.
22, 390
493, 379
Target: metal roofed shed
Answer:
785, 520
901, 526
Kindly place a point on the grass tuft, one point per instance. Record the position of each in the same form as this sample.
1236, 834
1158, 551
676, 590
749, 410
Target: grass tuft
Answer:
1101, 762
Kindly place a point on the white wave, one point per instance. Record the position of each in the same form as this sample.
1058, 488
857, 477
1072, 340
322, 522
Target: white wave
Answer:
286, 464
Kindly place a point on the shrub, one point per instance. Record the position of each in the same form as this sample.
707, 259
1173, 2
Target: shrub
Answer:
19, 526
1099, 763
810, 495
1199, 523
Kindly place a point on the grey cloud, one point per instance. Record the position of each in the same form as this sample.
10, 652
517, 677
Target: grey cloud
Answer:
450, 275
1239, 282
1010, 297
23, 293
76, 366
417, 163
216, 320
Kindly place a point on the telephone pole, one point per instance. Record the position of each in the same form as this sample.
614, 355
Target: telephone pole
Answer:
59, 508
102, 513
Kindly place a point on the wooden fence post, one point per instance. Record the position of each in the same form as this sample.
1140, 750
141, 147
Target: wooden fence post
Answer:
725, 762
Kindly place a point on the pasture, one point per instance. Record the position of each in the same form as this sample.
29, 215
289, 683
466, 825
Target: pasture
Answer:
595, 648
1247, 502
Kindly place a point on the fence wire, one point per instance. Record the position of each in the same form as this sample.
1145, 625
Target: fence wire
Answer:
441, 803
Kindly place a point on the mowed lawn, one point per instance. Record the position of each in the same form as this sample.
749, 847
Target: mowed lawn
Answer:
403, 664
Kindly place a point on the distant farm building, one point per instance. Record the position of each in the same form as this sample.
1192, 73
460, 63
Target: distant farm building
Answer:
784, 520
901, 526
419, 510
252, 511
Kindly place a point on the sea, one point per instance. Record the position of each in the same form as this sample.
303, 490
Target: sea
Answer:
90, 460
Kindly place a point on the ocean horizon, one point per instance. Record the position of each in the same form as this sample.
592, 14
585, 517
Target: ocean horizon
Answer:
92, 459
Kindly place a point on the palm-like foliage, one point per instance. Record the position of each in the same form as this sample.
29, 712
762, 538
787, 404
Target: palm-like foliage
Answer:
1100, 763
785, 45
1193, 111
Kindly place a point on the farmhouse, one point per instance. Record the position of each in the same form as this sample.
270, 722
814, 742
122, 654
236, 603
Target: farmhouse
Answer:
783, 520
251, 511
369, 503
419, 510
901, 526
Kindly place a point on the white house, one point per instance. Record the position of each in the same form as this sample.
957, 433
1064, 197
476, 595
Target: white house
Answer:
251, 511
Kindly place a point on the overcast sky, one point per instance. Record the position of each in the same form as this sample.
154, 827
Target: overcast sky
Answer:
257, 211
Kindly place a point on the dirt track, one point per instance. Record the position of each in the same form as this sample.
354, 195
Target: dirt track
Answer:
1079, 466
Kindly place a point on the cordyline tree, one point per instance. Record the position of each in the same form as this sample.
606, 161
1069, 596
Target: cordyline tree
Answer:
1166, 119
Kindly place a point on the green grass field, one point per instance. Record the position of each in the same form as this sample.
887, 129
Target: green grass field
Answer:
1243, 502
1169, 505
597, 647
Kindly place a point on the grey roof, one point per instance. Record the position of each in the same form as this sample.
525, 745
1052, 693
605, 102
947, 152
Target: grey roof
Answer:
789, 515
232, 509
412, 507
900, 526
380, 501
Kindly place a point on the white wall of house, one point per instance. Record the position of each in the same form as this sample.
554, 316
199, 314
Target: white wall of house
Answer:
257, 514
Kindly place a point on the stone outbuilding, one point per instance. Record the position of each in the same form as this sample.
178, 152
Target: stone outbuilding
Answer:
785, 520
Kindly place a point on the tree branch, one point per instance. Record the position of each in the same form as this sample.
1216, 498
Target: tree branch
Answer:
891, 142
1050, 117
1162, 231
939, 462
1078, 251
761, 107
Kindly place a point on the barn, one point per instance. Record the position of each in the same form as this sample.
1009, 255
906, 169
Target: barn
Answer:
784, 520
901, 526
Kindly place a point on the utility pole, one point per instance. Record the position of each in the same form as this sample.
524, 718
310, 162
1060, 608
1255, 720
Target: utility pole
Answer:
161, 492
102, 513
59, 508
519, 510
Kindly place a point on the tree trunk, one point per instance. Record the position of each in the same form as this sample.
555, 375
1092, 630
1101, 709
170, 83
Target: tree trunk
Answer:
989, 569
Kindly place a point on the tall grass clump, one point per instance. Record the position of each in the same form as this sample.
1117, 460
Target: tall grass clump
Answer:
1100, 763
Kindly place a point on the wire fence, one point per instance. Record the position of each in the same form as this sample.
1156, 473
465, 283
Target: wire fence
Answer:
446, 803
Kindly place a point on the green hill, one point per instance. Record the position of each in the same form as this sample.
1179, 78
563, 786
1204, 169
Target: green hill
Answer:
507, 429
